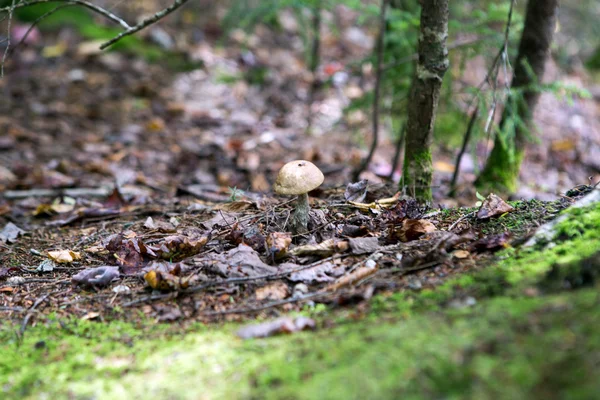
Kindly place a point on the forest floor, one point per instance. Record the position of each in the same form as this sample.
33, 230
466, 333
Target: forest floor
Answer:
142, 250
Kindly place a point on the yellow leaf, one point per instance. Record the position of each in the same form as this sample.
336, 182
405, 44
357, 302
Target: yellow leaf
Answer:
64, 256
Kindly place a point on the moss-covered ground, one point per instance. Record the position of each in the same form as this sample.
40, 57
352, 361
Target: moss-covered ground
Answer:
509, 331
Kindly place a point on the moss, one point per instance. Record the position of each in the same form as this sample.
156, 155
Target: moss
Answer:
501, 171
455, 353
418, 170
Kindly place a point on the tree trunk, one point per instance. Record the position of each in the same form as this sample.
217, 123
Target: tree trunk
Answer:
501, 171
423, 98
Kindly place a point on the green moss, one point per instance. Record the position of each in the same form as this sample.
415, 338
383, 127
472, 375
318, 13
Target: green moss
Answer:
455, 353
418, 172
501, 171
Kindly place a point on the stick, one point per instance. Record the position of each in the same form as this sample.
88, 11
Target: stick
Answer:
463, 149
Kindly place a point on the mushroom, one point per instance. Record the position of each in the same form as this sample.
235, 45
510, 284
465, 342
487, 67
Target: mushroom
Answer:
298, 178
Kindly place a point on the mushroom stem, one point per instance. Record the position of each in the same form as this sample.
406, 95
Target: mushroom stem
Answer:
300, 218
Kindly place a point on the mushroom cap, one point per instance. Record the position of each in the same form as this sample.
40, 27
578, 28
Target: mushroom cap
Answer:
298, 177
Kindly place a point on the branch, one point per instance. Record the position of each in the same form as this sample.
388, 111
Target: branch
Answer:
148, 21
82, 3
11, 10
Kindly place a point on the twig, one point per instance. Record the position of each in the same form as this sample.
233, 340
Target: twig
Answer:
81, 3
30, 312
463, 149
376, 94
314, 60
397, 151
10, 17
146, 22
460, 220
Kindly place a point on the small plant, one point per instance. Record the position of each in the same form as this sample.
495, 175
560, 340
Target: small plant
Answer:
235, 193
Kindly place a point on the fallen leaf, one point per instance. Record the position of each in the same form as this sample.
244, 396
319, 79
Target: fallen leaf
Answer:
99, 276
10, 233
323, 249
461, 254
273, 291
493, 206
64, 256
278, 244
492, 242
364, 245
357, 191
413, 229
176, 248
325, 272
160, 226
236, 206
242, 261
352, 278
166, 277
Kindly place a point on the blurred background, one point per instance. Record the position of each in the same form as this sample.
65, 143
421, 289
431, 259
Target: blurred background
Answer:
219, 95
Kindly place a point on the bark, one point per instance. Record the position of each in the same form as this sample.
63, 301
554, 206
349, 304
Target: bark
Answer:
501, 171
424, 97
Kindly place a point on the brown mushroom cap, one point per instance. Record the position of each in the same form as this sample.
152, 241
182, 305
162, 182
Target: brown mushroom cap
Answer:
298, 177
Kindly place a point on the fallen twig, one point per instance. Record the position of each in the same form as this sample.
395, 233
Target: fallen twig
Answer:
461, 219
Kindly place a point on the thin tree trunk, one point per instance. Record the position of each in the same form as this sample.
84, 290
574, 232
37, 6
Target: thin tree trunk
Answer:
424, 97
501, 171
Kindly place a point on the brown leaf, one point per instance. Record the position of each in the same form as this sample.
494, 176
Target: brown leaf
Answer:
352, 278
492, 242
273, 291
278, 244
242, 261
323, 249
176, 248
325, 272
412, 229
493, 206
166, 277
160, 226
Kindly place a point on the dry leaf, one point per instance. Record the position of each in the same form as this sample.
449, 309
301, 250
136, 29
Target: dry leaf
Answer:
461, 254
278, 244
350, 279
412, 229
273, 291
64, 256
99, 276
323, 249
493, 206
